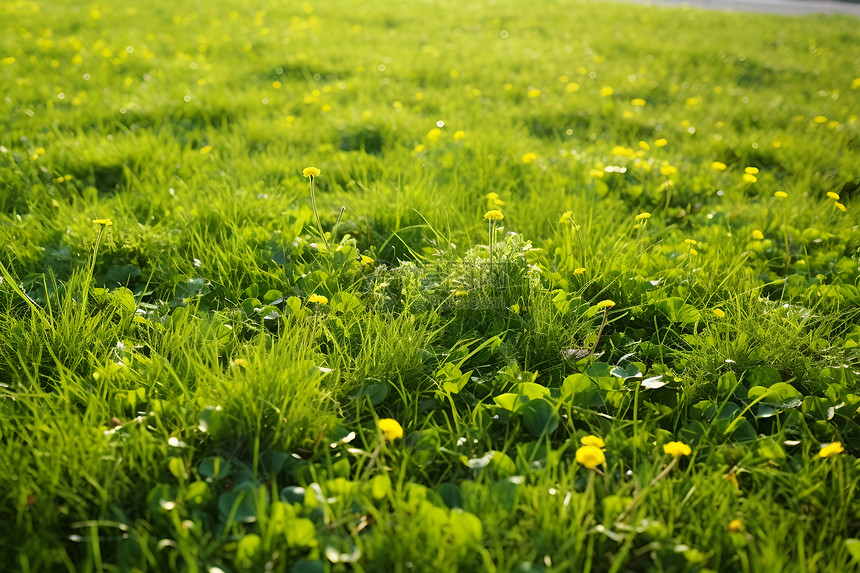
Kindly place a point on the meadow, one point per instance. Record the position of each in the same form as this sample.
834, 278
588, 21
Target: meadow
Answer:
428, 286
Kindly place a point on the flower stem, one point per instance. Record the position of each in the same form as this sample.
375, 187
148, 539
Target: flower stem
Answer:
316, 214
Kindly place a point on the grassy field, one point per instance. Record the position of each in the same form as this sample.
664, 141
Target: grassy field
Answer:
574, 289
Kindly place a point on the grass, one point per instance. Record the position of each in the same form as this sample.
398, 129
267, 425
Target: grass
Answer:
198, 385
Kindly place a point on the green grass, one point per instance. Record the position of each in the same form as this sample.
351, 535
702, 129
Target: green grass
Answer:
172, 399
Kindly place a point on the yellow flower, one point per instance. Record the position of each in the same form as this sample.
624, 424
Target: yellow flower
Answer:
105, 222
668, 170
660, 142
644, 215
855, 84
694, 251
596, 173
206, 149
735, 525
579, 271
780, 194
820, 119
365, 260
718, 312
318, 299
606, 91
391, 429
677, 449
590, 457
637, 102
311, 172
240, 362
593, 441
718, 165
691, 242
831, 450
832, 195
459, 135
534, 92
492, 196
750, 178
606, 304
529, 157
565, 217
494, 215
751, 170
644, 145
840, 206
460, 293
515, 308
757, 235
434, 134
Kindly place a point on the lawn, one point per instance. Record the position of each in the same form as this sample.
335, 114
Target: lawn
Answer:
428, 286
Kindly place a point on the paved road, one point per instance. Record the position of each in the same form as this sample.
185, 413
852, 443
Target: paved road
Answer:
791, 7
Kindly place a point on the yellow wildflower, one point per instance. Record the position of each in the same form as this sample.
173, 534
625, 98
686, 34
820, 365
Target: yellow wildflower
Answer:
606, 91
311, 172
206, 149
661, 142
590, 457
718, 165
643, 215
593, 441
691, 242
820, 119
677, 449
637, 102
391, 429
534, 92
668, 170
494, 215
694, 252
718, 312
240, 362
750, 178
529, 157
565, 217
606, 304
105, 222
459, 135
318, 299
579, 271
735, 525
832, 195
840, 206
757, 235
831, 450
596, 173
365, 260
780, 194
751, 170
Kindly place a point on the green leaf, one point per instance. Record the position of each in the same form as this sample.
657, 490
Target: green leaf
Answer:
345, 302
248, 549
532, 391
301, 533
213, 468
239, 503
511, 402
580, 390
466, 527
273, 297
376, 393
213, 421
630, 371
540, 417
380, 486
